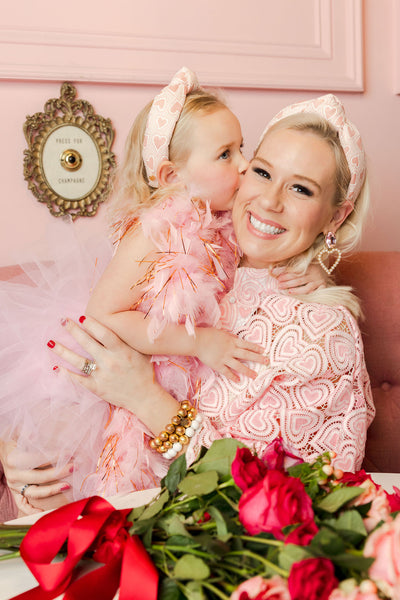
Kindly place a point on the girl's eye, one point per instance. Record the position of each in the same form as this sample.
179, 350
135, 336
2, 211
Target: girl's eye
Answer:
301, 189
262, 172
226, 154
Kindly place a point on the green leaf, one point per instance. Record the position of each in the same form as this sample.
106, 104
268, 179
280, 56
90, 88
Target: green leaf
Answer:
191, 567
327, 542
173, 525
194, 591
353, 561
222, 528
219, 457
169, 590
155, 507
176, 473
199, 484
338, 498
290, 553
351, 520
180, 540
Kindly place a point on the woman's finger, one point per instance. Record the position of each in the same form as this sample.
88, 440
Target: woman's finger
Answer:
39, 492
238, 367
243, 354
74, 359
103, 334
17, 478
250, 346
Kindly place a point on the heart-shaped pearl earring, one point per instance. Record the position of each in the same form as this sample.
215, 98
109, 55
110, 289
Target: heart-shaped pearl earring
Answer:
329, 250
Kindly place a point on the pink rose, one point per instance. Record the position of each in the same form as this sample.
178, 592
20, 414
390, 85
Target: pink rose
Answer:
276, 457
380, 508
258, 588
349, 590
384, 545
273, 503
312, 579
247, 469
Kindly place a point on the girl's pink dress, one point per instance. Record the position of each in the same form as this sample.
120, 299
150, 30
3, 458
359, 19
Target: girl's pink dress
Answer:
55, 420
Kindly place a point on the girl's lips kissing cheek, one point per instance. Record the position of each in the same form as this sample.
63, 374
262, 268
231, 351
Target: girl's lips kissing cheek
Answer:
264, 229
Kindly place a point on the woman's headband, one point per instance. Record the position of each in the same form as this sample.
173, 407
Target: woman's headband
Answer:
330, 108
163, 116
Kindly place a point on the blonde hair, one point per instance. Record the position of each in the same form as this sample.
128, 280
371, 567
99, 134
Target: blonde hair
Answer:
349, 233
131, 189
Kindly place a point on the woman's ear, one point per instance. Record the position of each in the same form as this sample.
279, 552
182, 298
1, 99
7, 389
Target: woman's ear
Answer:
167, 173
340, 215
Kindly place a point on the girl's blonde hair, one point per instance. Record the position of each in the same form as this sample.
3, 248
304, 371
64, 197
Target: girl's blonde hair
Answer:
131, 189
349, 233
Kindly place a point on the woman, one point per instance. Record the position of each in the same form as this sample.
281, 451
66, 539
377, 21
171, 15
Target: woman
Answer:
303, 188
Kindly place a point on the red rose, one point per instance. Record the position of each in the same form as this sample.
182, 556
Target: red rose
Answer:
303, 534
312, 579
112, 537
394, 500
355, 479
273, 503
247, 469
276, 457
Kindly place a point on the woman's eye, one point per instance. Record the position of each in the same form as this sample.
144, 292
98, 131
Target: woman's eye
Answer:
301, 189
262, 172
226, 154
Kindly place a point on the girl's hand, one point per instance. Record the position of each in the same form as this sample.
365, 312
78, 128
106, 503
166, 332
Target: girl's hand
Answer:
224, 352
45, 486
295, 283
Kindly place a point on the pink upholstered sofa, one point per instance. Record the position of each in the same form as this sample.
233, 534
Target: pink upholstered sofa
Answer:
375, 277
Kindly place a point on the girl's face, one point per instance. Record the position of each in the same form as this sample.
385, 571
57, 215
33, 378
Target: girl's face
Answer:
215, 164
286, 198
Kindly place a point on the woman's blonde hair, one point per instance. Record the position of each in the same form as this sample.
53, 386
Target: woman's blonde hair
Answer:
349, 233
131, 189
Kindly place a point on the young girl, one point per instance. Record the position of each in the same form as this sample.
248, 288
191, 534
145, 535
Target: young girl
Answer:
175, 259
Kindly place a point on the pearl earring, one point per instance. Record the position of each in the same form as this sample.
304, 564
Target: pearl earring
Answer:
327, 251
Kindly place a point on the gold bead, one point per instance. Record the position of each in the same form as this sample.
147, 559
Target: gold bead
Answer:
160, 449
176, 420
192, 413
186, 422
170, 428
180, 430
167, 445
184, 439
153, 444
173, 438
185, 405
182, 412
157, 441
164, 436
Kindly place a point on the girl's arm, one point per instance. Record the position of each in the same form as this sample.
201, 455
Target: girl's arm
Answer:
116, 293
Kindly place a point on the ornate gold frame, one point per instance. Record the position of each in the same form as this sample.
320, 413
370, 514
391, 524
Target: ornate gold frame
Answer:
69, 114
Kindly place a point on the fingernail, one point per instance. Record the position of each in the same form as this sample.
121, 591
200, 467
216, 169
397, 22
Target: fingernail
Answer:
82, 319
55, 368
63, 322
66, 486
51, 344
71, 469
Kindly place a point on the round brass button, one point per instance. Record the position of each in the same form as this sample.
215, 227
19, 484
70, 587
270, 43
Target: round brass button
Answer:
71, 160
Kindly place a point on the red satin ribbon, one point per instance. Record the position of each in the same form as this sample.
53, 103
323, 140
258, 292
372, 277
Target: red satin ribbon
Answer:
90, 523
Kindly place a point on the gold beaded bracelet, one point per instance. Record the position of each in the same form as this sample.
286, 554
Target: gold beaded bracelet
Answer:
177, 434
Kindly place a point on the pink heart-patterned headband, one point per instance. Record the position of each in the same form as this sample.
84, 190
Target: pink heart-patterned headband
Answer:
330, 108
163, 116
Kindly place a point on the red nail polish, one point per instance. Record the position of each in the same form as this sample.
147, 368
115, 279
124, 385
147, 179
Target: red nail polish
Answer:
51, 344
56, 368
66, 486
71, 469
63, 322
82, 319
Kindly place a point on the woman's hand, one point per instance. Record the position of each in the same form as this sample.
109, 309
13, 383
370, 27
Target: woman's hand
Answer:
123, 377
33, 490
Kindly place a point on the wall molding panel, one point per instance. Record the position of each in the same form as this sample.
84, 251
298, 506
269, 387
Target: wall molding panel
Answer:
261, 47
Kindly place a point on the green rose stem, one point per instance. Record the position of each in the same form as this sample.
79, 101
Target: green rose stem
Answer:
214, 590
260, 559
9, 555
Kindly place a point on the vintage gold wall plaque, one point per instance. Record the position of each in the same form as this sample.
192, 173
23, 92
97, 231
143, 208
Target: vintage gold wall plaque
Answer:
68, 162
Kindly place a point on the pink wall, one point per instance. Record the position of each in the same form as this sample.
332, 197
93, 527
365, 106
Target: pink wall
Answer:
376, 110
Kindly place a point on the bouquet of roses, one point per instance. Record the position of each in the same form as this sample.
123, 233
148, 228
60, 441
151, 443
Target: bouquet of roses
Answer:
231, 526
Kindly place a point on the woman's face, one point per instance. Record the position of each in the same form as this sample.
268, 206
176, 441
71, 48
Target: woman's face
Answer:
286, 197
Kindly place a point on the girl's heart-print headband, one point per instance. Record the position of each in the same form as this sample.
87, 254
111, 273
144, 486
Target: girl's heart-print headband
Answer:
330, 108
163, 116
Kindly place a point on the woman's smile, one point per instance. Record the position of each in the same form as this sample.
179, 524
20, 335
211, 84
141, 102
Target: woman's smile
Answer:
264, 228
